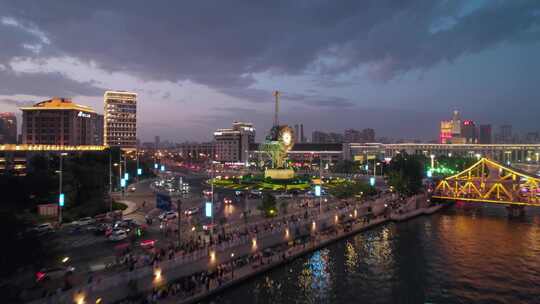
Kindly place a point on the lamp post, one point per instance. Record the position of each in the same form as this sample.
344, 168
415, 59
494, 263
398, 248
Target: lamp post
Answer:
179, 209
432, 156
320, 176
137, 158
60, 194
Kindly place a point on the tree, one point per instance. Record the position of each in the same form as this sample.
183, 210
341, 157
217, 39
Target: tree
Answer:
350, 189
347, 166
405, 173
268, 206
284, 204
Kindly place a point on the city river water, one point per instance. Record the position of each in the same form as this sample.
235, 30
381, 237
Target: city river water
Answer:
463, 254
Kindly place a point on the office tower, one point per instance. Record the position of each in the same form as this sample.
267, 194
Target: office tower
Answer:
296, 134
120, 119
485, 134
353, 136
319, 137
505, 135
368, 134
232, 144
59, 121
8, 128
156, 142
468, 132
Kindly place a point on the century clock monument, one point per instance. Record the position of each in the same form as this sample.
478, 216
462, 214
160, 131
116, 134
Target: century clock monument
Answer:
279, 141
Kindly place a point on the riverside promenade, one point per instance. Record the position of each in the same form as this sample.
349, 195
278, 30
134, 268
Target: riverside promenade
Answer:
233, 275
240, 259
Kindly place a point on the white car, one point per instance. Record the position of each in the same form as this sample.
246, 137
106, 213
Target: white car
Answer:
118, 235
169, 215
191, 211
85, 221
43, 228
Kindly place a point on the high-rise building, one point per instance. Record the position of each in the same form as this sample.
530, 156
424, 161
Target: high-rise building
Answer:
368, 134
485, 134
232, 145
8, 128
456, 124
446, 131
505, 135
297, 134
156, 142
468, 132
120, 126
319, 137
59, 121
335, 138
353, 136
451, 130
532, 138
302, 137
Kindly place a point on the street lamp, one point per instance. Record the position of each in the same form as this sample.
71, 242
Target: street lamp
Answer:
61, 198
432, 156
478, 156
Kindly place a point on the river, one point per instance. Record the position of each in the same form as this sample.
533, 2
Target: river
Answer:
464, 254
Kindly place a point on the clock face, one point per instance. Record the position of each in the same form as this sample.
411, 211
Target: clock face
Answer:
287, 138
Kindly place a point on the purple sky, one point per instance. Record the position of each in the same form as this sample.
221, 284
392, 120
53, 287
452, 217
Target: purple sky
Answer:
396, 66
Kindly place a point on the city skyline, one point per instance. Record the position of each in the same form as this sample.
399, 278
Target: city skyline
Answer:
396, 68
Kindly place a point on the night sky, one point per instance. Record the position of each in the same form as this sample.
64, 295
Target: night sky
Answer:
396, 66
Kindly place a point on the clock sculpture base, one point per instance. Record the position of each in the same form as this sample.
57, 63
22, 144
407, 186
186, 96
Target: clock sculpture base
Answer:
279, 173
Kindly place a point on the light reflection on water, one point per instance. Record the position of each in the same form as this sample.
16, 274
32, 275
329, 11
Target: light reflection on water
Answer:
457, 256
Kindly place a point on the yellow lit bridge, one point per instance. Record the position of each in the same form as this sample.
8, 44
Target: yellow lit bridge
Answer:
490, 182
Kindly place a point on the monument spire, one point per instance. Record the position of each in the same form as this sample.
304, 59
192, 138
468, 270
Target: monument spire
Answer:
276, 110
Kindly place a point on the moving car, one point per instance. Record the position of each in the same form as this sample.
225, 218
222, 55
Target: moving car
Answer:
118, 235
227, 201
85, 221
53, 273
168, 215
43, 228
191, 211
147, 243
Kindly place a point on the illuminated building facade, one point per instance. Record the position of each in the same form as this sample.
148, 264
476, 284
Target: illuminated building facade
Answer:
232, 145
468, 132
8, 128
120, 127
61, 122
446, 131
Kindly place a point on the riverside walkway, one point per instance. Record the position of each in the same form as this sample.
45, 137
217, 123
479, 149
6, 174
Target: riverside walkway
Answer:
189, 277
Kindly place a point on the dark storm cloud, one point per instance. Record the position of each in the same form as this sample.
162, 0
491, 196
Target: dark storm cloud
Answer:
13, 102
44, 84
222, 43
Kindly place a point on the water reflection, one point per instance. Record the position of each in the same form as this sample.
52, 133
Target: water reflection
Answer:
314, 279
351, 257
463, 255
